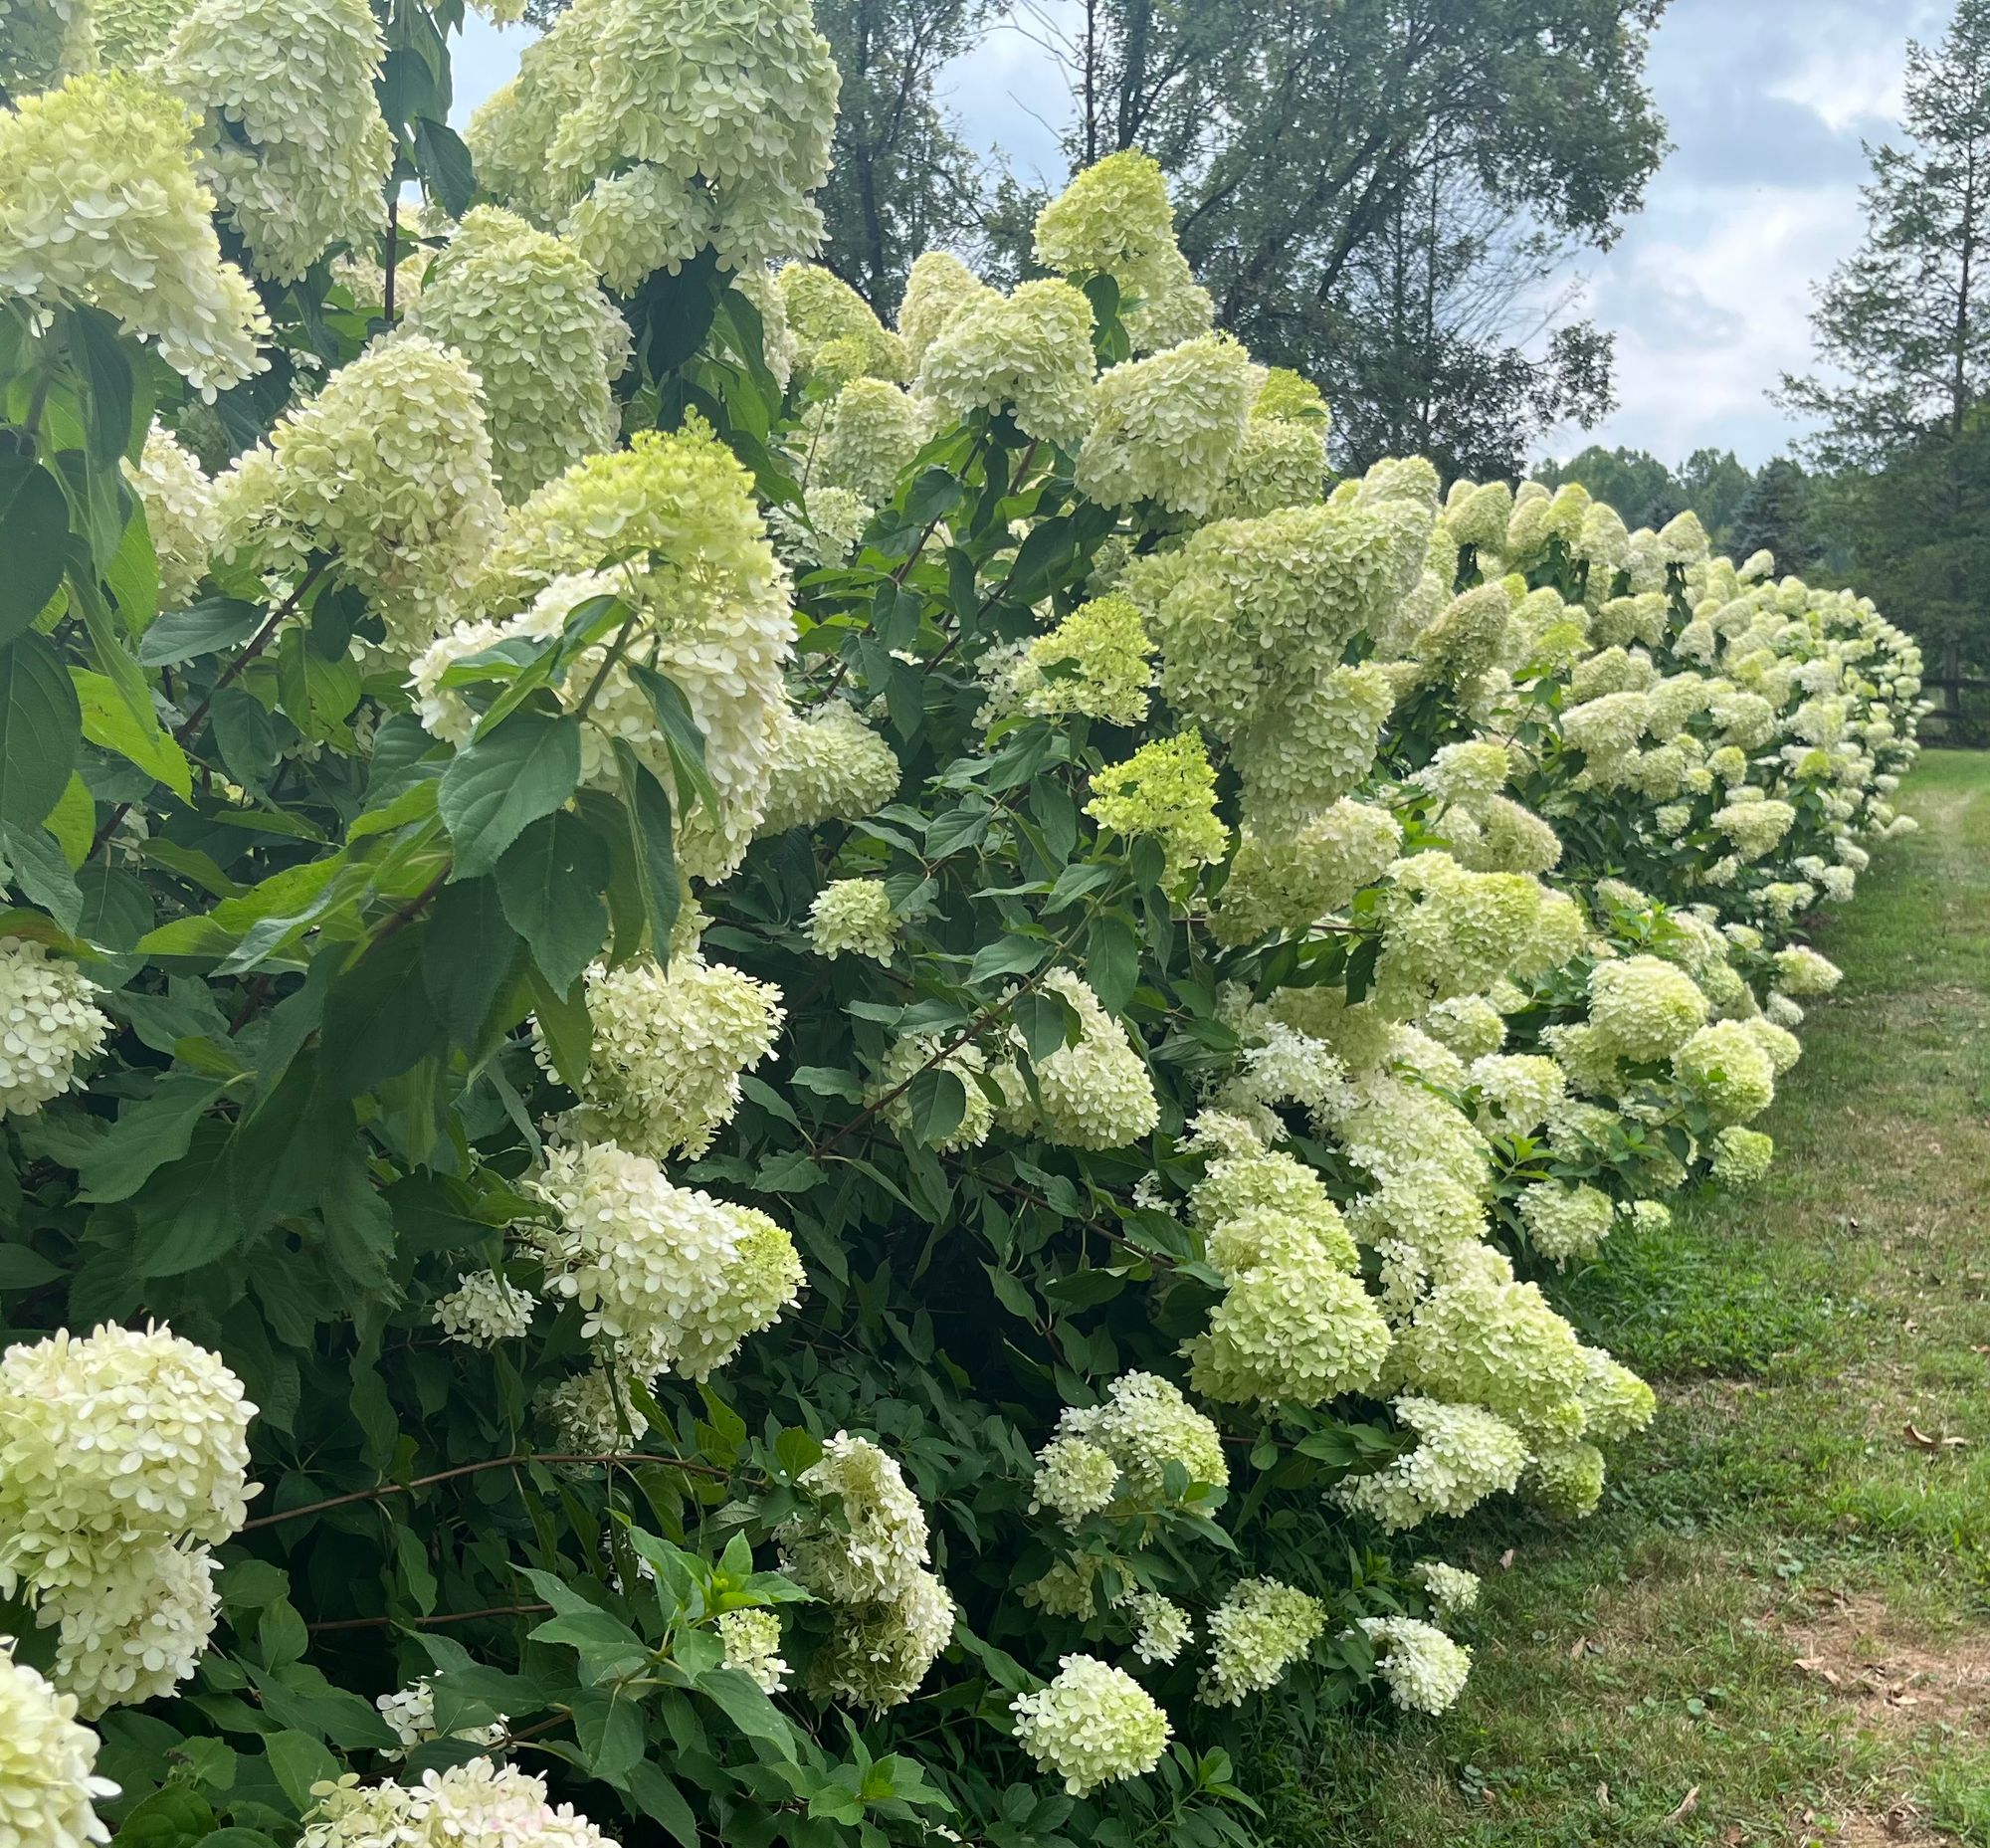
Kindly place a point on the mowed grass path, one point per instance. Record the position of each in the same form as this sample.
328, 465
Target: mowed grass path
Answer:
1777, 1628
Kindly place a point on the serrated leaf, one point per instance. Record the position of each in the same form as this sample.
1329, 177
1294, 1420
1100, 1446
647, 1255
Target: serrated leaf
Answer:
497, 785
549, 883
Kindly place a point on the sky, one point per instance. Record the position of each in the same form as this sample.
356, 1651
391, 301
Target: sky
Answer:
1708, 290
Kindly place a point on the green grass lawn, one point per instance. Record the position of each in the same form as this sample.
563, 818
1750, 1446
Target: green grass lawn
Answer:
1777, 1628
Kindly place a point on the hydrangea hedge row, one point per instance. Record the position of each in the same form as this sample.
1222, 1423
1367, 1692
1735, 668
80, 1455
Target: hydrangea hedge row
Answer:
773, 1079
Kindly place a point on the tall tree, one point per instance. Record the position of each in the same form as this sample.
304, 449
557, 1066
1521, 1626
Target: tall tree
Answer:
1300, 137
903, 181
1903, 331
1775, 516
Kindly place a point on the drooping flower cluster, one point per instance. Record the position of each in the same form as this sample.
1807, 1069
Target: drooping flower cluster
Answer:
49, 1787
101, 207
294, 143
120, 1452
522, 306
1262, 1627
671, 1277
1452, 1588
1463, 1455
1424, 1669
862, 1545
668, 1047
49, 1020
1092, 1725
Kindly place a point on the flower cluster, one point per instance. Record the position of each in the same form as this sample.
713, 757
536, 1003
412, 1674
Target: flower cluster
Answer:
668, 1046
410, 1714
522, 306
119, 1452
673, 1277
1144, 1425
47, 1021
863, 1546
753, 1643
178, 500
1452, 1590
1092, 1725
1028, 353
673, 520
294, 143
1262, 1627
101, 207
1166, 789
865, 438
1424, 1669
1167, 429
853, 917
1095, 662
477, 1804
1093, 1092
388, 468
484, 1310
652, 129
828, 766
1291, 882
49, 1787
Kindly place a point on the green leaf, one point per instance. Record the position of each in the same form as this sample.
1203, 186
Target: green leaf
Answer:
608, 1723
936, 1101
742, 1702
112, 390
1112, 961
188, 1209
1046, 1022
1007, 956
299, 1761
497, 786
648, 809
109, 722
681, 737
40, 724
564, 1019
445, 166
22, 1269
377, 1019
204, 628
658, 1799
466, 956
549, 883
146, 1136
34, 540
73, 821
41, 870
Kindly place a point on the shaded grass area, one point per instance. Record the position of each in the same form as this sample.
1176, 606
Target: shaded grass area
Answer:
1777, 1628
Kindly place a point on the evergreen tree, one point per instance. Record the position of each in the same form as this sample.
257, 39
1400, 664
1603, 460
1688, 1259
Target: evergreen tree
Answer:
1774, 517
1903, 328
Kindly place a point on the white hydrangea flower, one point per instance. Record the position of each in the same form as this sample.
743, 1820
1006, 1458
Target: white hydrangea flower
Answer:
522, 308
1092, 1725
879, 1653
753, 1643
1028, 353
49, 1789
1162, 1629
1262, 1627
1166, 429
1424, 1669
477, 1805
47, 1021
410, 1713
827, 766
133, 1630
916, 1053
1463, 1455
1565, 1223
853, 917
117, 1439
1073, 1478
1096, 1093
1452, 1588
104, 208
668, 1047
484, 1310
588, 1412
876, 1551
388, 468
1144, 1425
178, 500
1801, 970
295, 146
678, 1278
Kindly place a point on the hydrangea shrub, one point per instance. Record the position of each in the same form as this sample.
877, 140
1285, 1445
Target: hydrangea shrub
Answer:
775, 1079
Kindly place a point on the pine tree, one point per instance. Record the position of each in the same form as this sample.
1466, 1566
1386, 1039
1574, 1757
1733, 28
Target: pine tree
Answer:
1774, 517
1904, 327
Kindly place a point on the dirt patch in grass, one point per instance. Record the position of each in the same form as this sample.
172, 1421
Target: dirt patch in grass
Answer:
1858, 1647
